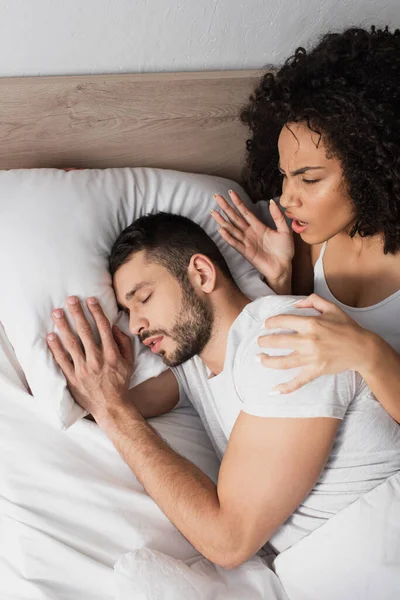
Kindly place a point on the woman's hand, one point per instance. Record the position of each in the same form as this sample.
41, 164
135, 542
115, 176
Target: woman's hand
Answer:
269, 251
97, 377
322, 345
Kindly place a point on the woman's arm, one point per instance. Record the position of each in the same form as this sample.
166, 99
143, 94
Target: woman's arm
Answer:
382, 374
269, 250
332, 342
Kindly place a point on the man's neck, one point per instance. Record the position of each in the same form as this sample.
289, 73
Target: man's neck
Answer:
228, 306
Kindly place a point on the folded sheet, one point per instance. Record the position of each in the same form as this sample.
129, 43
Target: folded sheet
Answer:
148, 574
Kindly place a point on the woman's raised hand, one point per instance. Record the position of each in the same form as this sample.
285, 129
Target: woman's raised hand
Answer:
269, 251
324, 344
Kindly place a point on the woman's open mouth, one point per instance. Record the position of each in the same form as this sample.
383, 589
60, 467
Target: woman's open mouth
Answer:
299, 226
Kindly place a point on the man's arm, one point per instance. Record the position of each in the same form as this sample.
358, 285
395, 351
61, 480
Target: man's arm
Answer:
155, 396
270, 466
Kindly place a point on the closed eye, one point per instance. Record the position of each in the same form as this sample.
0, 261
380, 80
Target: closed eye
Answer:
146, 299
311, 180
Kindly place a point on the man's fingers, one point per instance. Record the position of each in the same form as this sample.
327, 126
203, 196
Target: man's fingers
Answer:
124, 344
82, 325
103, 325
278, 217
69, 340
60, 356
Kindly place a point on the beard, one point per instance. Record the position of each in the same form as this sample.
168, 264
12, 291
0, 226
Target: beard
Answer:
192, 328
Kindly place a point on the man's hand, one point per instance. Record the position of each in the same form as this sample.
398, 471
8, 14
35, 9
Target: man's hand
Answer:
97, 376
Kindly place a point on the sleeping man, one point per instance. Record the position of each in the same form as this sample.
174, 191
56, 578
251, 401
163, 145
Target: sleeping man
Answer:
289, 462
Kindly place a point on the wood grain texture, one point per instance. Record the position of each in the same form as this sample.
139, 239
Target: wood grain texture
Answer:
183, 121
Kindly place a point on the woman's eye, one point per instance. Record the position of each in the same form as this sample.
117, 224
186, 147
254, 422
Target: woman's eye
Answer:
146, 299
310, 180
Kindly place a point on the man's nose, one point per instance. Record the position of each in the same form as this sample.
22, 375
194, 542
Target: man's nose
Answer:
137, 323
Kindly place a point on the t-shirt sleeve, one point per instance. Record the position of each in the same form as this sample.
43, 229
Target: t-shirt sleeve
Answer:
326, 396
183, 397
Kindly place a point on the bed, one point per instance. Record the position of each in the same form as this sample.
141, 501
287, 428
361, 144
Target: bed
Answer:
74, 521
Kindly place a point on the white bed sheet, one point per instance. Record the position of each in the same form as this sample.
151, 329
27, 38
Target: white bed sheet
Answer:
71, 509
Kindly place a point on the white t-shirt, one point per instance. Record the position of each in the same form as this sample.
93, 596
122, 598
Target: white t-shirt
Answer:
367, 447
382, 318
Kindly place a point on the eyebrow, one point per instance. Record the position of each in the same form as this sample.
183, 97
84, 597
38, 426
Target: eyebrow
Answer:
129, 295
300, 171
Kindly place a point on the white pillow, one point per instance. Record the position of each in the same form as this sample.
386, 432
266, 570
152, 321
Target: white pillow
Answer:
56, 231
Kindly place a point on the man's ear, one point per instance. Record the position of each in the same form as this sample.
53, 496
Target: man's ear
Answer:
202, 273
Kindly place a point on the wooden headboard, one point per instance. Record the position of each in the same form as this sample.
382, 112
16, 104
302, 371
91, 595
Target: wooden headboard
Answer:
184, 121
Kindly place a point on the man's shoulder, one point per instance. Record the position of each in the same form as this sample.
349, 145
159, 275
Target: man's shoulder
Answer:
250, 323
269, 306
329, 395
189, 367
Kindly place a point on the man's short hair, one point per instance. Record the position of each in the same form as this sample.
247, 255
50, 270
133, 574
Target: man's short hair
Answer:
169, 240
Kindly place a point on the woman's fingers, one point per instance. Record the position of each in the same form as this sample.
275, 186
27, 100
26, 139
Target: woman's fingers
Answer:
234, 232
280, 340
232, 241
295, 384
289, 361
301, 324
317, 302
230, 212
249, 217
278, 218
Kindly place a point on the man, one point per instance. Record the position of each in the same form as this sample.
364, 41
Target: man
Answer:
289, 462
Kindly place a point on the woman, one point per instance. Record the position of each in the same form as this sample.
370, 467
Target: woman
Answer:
326, 135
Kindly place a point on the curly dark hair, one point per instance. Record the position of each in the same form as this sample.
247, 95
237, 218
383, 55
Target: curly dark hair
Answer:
347, 89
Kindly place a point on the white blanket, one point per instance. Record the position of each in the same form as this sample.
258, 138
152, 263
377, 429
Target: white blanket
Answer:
76, 525
71, 509
150, 574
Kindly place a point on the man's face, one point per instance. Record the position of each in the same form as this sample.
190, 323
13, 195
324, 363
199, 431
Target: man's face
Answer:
168, 316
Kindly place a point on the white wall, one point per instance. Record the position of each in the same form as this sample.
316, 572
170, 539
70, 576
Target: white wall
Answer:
47, 37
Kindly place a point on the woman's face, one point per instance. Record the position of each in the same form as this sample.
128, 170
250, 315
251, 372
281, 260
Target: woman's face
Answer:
313, 189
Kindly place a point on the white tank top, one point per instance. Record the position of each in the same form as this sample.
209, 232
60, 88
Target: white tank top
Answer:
382, 318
